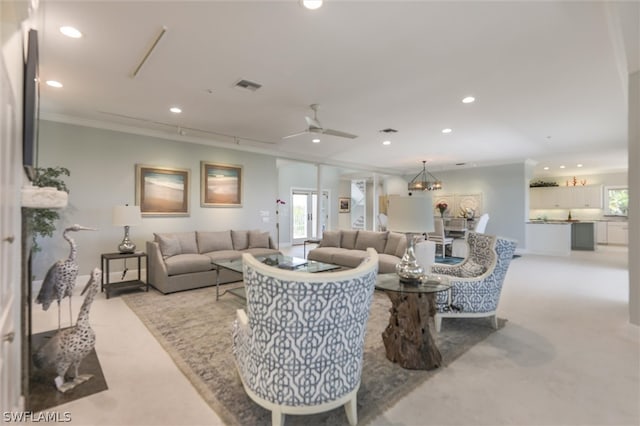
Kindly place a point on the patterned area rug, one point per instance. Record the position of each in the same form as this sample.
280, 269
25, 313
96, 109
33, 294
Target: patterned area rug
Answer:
196, 332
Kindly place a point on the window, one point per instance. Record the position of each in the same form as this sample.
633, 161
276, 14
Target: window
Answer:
616, 200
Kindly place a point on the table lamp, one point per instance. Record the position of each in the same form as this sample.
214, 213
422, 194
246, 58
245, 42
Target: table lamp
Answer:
126, 216
410, 215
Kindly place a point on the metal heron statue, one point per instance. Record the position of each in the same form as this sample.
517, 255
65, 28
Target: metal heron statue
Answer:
67, 348
61, 277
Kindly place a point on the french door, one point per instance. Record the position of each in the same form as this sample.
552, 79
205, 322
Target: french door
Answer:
304, 222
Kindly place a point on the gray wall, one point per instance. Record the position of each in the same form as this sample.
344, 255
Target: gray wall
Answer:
102, 165
503, 190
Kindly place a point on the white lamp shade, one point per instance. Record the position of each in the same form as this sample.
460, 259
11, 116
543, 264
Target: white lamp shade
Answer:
127, 216
410, 214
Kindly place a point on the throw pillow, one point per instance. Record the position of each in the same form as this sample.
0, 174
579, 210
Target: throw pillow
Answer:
258, 239
393, 239
187, 241
240, 239
471, 269
214, 241
169, 245
330, 239
376, 240
349, 239
402, 247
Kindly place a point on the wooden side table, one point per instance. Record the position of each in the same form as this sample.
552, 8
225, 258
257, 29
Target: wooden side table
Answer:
108, 286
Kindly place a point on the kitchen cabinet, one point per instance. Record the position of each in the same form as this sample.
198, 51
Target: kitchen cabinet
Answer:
586, 197
583, 236
601, 232
566, 197
618, 233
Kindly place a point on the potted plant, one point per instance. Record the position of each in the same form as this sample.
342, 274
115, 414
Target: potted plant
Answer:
41, 221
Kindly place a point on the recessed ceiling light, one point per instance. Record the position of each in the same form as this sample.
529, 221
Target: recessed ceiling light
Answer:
546, 167
468, 100
562, 167
54, 83
315, 140
447, 130
175, 110
578, 165
70, 32
386, 142
312, 4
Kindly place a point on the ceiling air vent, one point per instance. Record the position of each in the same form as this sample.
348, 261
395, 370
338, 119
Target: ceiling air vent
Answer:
249, 85
388, 130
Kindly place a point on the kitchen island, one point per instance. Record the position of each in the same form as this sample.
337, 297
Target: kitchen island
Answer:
550, 238
558, 238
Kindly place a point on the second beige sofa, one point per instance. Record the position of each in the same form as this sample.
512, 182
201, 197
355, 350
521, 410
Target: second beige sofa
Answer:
349, 248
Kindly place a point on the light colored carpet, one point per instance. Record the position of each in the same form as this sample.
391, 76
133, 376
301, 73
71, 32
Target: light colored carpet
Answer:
196, 332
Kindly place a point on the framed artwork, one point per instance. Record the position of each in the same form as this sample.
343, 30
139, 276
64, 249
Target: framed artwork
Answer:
162, 191
344, 205
220, 185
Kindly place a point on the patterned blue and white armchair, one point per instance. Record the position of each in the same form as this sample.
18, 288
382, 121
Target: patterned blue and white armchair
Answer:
477, 281
300, 344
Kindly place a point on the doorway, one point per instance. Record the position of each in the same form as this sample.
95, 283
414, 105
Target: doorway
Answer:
304, 221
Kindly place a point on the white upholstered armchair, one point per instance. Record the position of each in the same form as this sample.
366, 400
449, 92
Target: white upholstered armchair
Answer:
299, 346
477, 281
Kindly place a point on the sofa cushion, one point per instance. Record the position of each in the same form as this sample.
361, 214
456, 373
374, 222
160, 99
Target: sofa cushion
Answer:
373, 239
260, 251
187, 263
387, 263
393, 239
240, 239
349, 258
213, 241
224, 255
258, 239
330, 239
175, 243
324, 254
348, 239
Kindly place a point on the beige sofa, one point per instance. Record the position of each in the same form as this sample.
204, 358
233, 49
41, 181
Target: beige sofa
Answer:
183, 260
349, 248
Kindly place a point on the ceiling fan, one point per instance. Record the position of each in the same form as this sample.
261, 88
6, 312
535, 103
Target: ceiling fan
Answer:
314, 126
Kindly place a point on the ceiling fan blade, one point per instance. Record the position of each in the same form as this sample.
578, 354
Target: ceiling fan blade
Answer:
296, 134
338, 133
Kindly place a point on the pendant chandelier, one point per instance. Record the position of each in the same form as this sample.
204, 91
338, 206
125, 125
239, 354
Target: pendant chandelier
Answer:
425, 181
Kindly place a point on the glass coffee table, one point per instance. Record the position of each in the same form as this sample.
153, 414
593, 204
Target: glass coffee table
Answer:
408, 339
288, 263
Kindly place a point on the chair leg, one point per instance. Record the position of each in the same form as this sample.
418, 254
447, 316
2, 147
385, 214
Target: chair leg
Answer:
351, 408
438, 321
494, 321
277, 418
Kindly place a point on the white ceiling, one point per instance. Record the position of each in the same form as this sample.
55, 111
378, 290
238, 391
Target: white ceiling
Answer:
546, 75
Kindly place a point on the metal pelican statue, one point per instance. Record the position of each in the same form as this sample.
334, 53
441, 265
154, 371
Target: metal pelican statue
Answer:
61, 277
67, 348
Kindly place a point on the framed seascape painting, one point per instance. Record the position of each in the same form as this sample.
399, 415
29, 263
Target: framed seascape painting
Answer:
162, 191
220, 185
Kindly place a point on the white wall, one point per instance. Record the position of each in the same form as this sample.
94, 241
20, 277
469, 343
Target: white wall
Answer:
634, 197
503, 195
102, 165
294, 175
